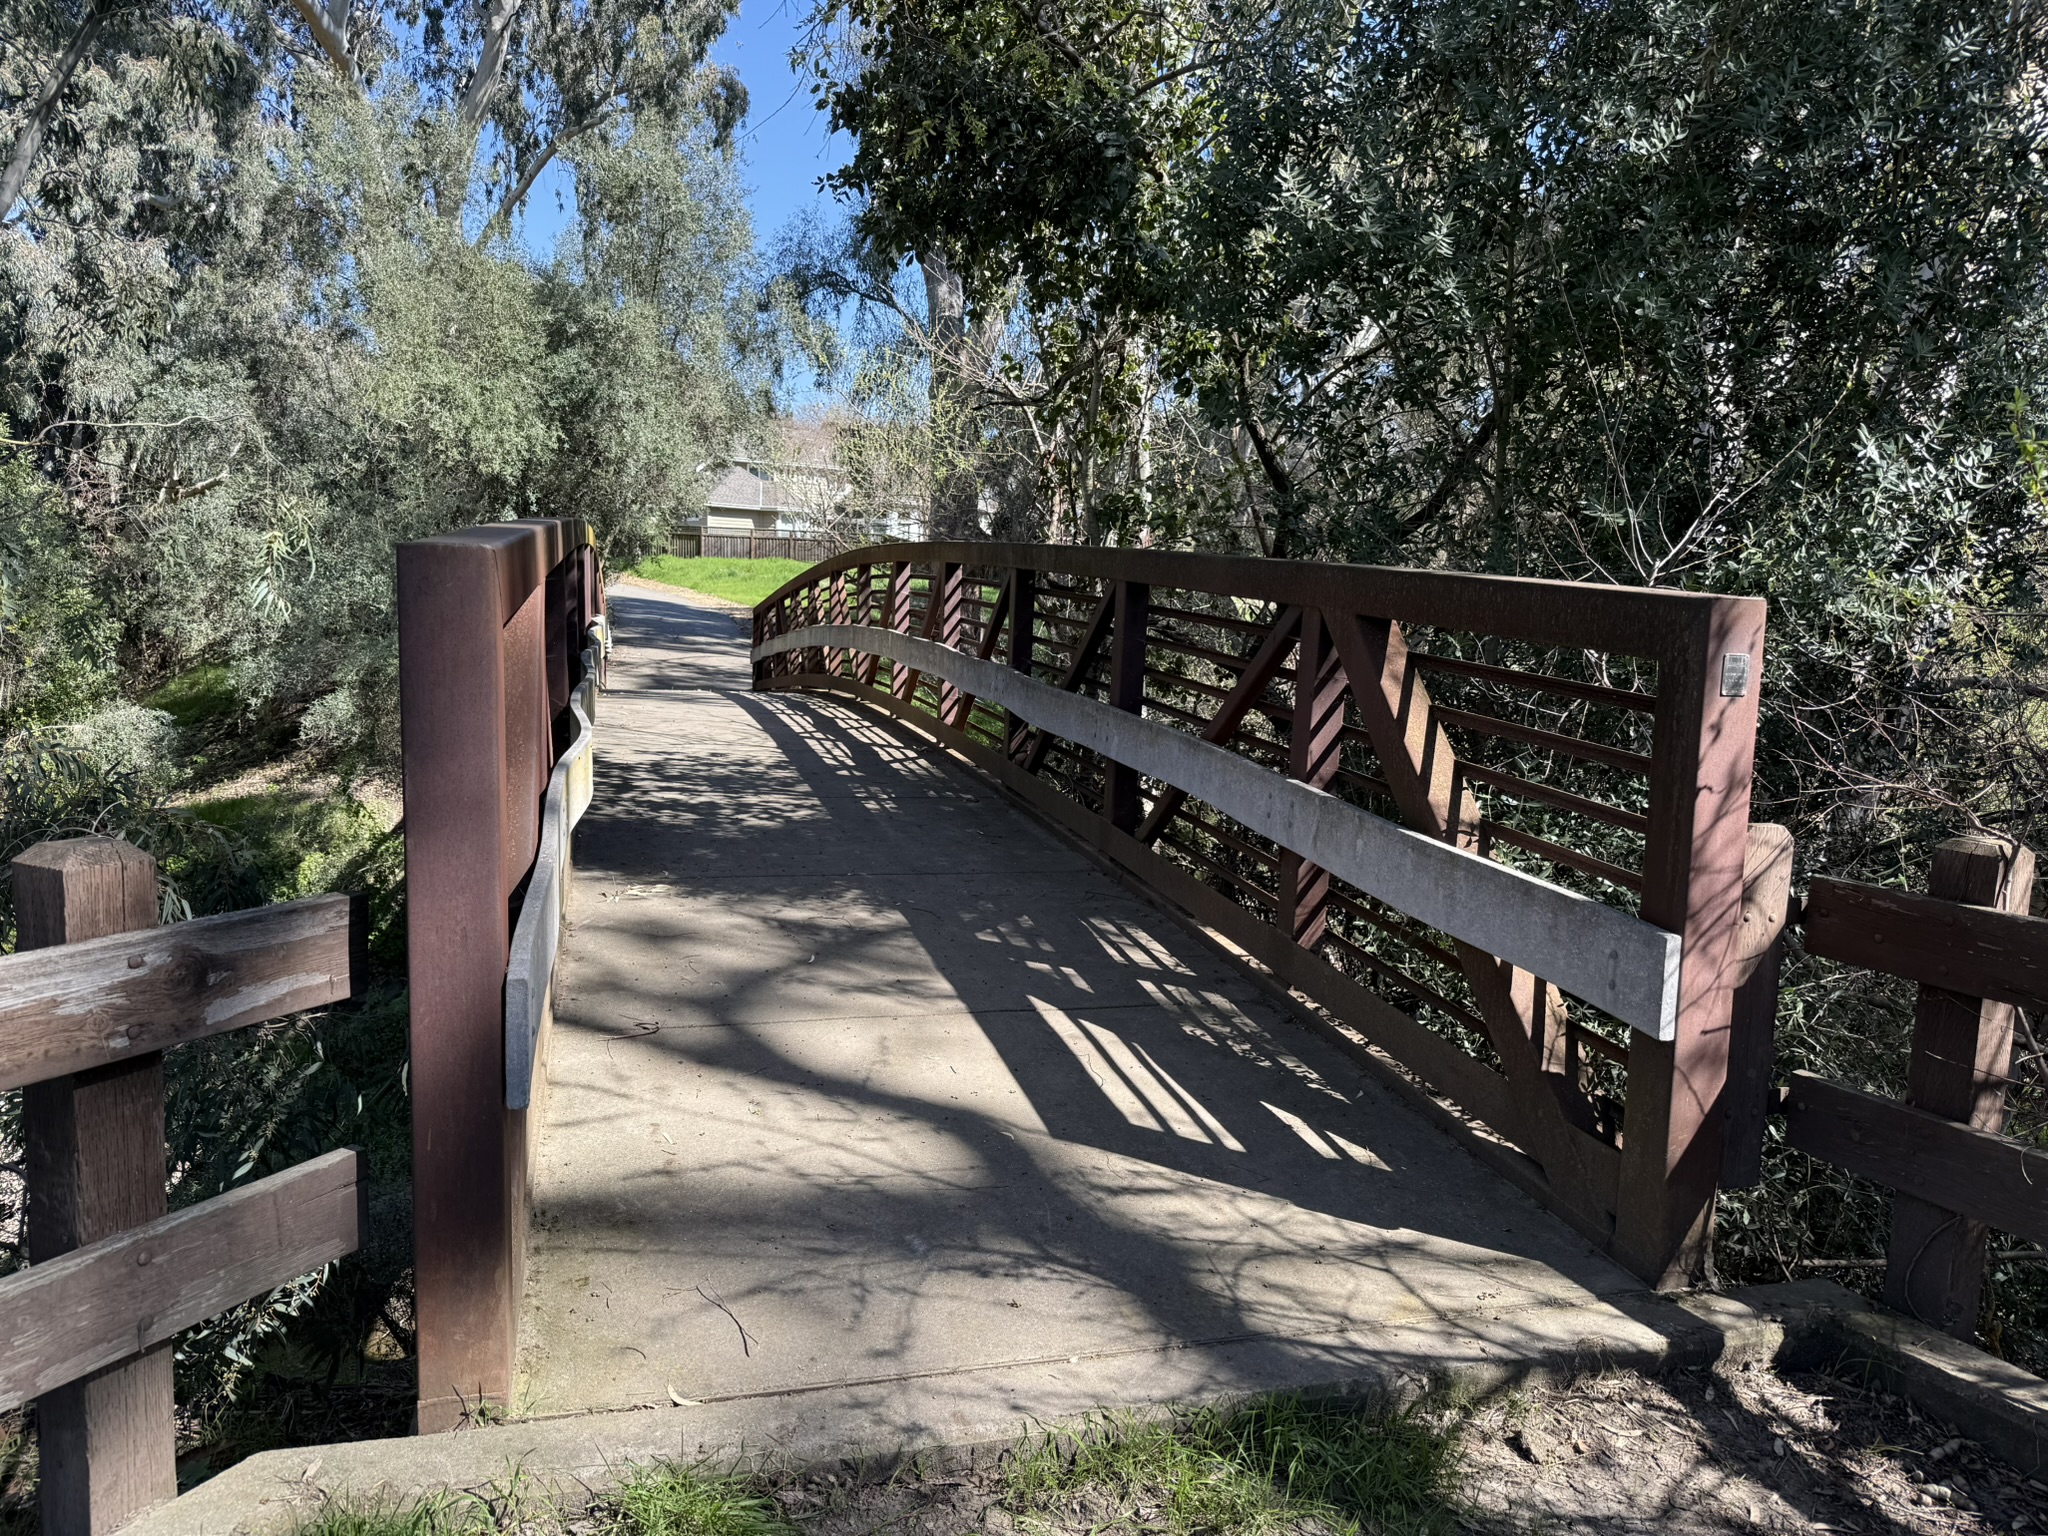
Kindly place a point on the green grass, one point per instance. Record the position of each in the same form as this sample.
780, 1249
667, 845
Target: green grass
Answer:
672, 1500
300, 843
738, 581
195, 697
1275, 1464
666, 1499
342, 1518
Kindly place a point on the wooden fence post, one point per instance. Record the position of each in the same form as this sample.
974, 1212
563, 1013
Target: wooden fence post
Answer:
473, 715
1703, 759
95, 1166
1120, 799
1962, 1055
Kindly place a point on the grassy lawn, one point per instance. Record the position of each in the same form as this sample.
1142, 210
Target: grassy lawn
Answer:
738, 581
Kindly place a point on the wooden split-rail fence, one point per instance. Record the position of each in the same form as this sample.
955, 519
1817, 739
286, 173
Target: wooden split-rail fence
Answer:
1498, 830
93, 996
502, 643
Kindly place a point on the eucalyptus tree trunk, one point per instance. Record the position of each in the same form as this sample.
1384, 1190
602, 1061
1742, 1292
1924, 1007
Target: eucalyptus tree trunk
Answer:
30, 138
956, 484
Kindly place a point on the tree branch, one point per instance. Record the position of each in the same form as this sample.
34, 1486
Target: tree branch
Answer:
1050, 34
330, 31
483, 80
30, 139
527, 177
1453, 477
1276, 472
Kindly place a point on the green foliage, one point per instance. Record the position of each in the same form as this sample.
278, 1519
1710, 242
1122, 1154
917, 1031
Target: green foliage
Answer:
1737, 297
261, 319
338, 1517
197, 696
1274, 1464
248, 353
301, 843
738, 581
509, 1503
57, 640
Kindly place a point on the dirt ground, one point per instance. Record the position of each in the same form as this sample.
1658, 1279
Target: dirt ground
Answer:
1749, 1451
1613, 1455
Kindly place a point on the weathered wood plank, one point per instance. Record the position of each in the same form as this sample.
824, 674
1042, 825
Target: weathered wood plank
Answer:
103, 1303
1944, 1162
80, 1006
93, 1154
1973, 950
1620, 964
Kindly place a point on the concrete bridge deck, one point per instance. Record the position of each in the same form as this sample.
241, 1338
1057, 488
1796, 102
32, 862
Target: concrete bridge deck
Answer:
868, 1090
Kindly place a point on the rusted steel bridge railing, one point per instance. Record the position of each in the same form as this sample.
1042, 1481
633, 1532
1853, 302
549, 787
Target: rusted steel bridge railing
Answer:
1497, 827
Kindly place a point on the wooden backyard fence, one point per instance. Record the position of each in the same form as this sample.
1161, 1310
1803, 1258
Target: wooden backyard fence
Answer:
749, 546
94, 995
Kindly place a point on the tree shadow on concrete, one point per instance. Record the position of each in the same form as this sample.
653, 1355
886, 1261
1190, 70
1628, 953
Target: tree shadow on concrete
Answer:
1147, 1156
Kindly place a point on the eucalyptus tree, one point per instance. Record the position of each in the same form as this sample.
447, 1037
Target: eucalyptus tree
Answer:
507, 86
261, 313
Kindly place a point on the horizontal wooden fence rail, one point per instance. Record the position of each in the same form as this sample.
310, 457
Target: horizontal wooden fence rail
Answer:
1977, 955
79, 1006
500, 637
530, 974
100, 1304
1497, 828
93, 996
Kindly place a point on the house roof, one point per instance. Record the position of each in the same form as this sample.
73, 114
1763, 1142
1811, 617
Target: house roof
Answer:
752, 481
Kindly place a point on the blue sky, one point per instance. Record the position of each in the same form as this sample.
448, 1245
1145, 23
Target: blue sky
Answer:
784, 147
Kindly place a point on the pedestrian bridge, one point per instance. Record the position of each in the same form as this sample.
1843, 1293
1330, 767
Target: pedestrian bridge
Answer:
1014, 979
985, 983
